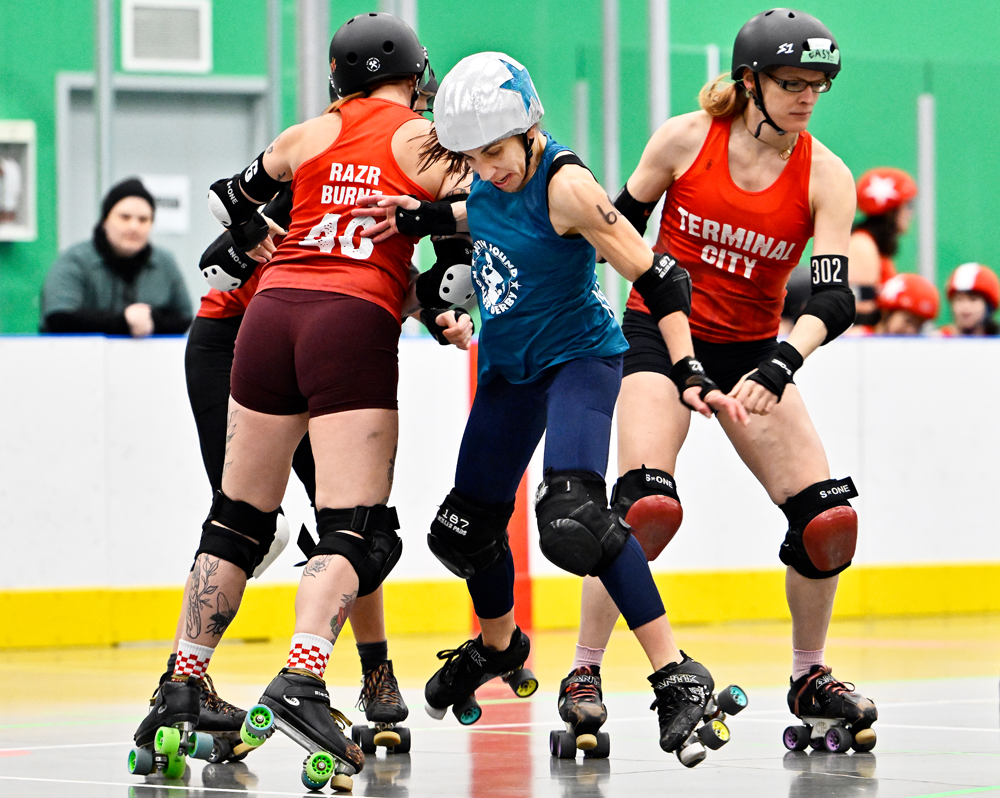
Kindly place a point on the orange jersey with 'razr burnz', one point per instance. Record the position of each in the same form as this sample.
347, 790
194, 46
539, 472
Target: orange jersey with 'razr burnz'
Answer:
739, 246
324, 250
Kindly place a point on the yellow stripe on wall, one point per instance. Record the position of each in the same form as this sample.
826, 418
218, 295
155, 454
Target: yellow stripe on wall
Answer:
104, 616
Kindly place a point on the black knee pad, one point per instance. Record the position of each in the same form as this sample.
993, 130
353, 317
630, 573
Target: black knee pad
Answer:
468, 536
577, 531
822, 529
255, 527
374, 554
640, 483
647, 499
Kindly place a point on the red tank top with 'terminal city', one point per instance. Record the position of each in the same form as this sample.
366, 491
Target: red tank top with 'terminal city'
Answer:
324, 250
739, 246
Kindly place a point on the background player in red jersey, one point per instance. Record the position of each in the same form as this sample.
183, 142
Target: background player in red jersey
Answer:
746, 187
974, 293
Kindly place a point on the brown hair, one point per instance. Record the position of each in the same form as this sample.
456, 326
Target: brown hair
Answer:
720, 98
431, 151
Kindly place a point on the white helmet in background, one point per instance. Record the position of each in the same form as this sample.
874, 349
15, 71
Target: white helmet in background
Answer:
485, 98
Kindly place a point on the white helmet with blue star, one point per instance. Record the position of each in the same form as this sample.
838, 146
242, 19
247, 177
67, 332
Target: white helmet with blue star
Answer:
485, 98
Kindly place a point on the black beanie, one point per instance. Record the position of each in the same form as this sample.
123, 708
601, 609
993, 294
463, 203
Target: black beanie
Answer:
129, 187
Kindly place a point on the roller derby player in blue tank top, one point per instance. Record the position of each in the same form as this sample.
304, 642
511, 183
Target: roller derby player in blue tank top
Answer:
550, 361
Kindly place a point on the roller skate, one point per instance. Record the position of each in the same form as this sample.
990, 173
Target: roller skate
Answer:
581, 706
384, 708
297, 704
692, 717
835, 716
167, 736
471, 665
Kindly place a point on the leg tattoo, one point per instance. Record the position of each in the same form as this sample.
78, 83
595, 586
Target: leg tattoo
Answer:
337, 621
316, 565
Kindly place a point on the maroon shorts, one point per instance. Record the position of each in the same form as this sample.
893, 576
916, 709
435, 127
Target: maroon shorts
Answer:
301, 350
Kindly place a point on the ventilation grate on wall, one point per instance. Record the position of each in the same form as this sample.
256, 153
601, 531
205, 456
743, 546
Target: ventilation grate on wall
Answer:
167, 35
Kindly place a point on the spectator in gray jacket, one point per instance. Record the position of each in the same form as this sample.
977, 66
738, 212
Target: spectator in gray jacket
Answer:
117, 283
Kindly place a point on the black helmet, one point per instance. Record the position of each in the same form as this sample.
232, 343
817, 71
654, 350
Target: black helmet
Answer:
784, 37
371, 49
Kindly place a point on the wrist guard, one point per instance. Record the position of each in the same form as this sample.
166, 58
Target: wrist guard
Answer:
429, 219
689, 373
429, 318
665, 287
778, 370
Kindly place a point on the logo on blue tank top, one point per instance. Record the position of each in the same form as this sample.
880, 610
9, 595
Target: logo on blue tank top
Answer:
495, 276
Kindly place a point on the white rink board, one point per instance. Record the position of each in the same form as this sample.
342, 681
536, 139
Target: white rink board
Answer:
101, 481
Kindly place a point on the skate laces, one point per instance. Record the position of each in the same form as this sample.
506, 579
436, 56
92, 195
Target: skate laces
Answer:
454, 656
212, 700
583, 692
670, 701
831, 689
379, 687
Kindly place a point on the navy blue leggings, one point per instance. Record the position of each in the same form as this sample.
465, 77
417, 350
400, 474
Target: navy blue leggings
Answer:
572, 403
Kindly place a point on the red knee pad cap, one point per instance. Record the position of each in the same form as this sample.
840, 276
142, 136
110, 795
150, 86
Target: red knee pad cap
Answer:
654, 521
831, 537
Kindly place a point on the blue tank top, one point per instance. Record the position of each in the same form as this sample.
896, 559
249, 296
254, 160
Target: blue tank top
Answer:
538, 295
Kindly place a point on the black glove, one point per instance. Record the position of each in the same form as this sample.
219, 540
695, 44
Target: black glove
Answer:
777, 371
429, 315
689, 373
429, 219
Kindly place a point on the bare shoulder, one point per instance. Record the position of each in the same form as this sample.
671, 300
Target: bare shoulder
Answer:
828, 170
680, 136
572, 184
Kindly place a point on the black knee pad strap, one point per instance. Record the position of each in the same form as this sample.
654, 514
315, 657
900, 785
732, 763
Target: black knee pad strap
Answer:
246, 534
802, 508
374, 554
576, 529
639, 483
469, 536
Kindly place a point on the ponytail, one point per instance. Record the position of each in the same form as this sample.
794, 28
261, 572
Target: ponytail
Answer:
720, 98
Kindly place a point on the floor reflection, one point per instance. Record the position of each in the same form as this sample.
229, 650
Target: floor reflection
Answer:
831, 775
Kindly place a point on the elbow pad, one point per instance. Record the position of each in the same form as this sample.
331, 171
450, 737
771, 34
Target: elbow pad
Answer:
448, 282
832, 300
665, 287
636, 212
224, 266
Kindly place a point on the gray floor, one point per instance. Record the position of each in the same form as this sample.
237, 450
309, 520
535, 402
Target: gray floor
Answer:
936, 738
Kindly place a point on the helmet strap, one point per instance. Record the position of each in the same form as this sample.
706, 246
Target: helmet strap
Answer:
528, 144
758, 101
415, 94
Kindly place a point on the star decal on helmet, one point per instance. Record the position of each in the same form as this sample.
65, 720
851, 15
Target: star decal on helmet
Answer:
882, 190
521, 83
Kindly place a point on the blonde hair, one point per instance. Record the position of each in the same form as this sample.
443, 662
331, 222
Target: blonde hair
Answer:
720, 98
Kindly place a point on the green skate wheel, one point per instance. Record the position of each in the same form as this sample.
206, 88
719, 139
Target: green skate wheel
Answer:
140, 762
258, 722
309, 784
201, 745
319, 767
167, 740
175, 767
251, 740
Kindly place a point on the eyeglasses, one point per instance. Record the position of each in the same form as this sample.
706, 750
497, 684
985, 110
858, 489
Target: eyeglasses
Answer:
797, 86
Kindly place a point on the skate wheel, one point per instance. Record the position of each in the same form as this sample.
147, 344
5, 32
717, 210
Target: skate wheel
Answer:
468, 711
319, 767
167, 740
220, 751
796, 738
565, 745
864, 740
140, 761
386, 739
175, 767
586, 742
201, 745
258, 723
553, 742
366, 740
434, 712
312, 786
603, 748
522, 682
837, 740
691, 755
714, 735
341, 783
732, 700
403, 746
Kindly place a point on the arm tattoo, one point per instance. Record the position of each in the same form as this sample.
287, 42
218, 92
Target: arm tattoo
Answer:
316, 565
610, 217
337, 621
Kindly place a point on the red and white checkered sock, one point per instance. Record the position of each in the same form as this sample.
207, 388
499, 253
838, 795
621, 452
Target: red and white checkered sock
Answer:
192, 659
310, 652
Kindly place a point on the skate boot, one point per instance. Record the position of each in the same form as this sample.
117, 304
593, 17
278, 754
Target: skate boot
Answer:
167, 734
835, 716
692, 718
223, 721
471, 665
297, 704
384, 708
581, 707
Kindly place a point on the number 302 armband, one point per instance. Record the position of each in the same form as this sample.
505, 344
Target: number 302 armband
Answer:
832, 300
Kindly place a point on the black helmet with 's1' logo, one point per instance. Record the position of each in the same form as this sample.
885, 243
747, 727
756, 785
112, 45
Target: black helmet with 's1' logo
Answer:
370, 49
783, 37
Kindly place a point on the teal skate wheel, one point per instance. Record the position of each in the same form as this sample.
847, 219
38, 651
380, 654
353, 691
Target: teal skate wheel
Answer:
468, 711
259, 721
319, 767
312, 786
175, 767
167, 740
140, 761
201, 746
732, 700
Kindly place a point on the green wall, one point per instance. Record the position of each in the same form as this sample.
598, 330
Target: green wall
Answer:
893, 51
